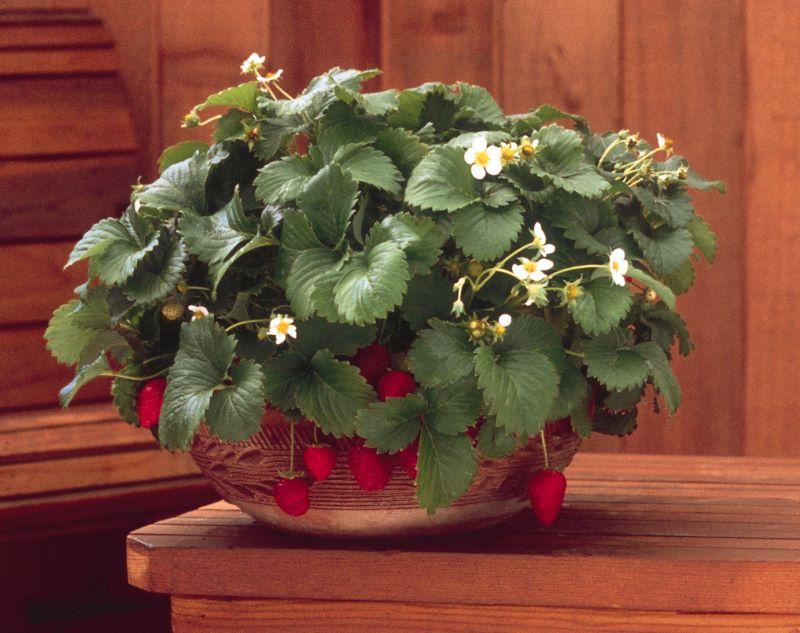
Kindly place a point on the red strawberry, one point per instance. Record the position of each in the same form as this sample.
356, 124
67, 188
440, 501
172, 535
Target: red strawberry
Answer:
372, 470
407, 458
320, 460
372, 361
151, 397
546, 492
396, 384
291, 495
474, 430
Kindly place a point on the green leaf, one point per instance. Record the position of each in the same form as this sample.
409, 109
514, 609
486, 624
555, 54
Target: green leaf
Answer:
202, 361
560, 160
378, 103
666, 249
619, 424
372, 283
282, 374
618, 401
442, 182
157, 274
120, 259
529, 333
481, 104
218, 271
392, 425
332, 393
546, 113
307, 267
573, 394
369, 165
518, 386
493, 442
214, 237
428, 297
613, 361
296, 237
663, 379
485, 233
666, 324
327, 201
696, 181
73, 326
682, 279
235, 411
180, 152
282, 181
497, 195
85, 373
404, 148
242, 96
601, 306
445, 468
419, 237
124, 396
341, 125
674, 206
663, 291
704, 238
341, 339
441, 354
453, 407
97, 239
182, 186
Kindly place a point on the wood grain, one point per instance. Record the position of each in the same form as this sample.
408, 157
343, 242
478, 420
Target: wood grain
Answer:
437, 40
562, 53
192, 615
684, 75
772, 230
58, 62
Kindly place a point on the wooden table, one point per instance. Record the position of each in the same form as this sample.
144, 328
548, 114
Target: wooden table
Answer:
644, 543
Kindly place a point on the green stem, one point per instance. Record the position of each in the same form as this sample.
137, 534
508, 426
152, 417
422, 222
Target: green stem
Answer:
155, 358
608, 151
544, 449
248, 322
569, 352
111, 374
573, 268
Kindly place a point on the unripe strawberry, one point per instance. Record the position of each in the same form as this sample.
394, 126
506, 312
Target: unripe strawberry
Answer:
172, 310
395, 384
151, 397
372, 361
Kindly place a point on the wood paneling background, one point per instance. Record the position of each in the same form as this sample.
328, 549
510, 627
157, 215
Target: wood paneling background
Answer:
718, 76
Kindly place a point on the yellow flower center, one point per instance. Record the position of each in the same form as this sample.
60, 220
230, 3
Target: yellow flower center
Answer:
482, 158
527, 149
573, 292
508, 153
529, 266
499, 330
283, 327
615, 266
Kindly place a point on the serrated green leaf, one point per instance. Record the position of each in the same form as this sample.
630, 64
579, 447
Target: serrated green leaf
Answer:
441, 354
618, 401
322, 295
696, 181
157, 274
369, 165
235, 411
341, 124
404, 148
493, 442
372, 283
392, 425
307, 267
120, 259
573, 394
498, 195
486, 233
480, 103
704, 238
202, 361
665, 324
180, 152
74, 325
327, 201
214, 237
332, 393
123, 393
619, 424
341, 339
97, 239
445, 468
666, 249
282, 180
600, 306
674, 206
282, 374
682, 279
419, 237
296, 236
663, 291
560, 161
613, 361
218, 270
546, 113
428, 297
83, 375
663, 379
378, 103
518, 386
181, 186
581, 423
529, 333
442, 182
242, 96
453, 407
231, 125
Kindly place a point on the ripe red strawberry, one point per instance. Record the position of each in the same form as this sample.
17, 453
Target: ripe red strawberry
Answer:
407, 458
546, 493
395, 384
320, 460
372, 470
372, 361
474, 430
151, 397
291, 494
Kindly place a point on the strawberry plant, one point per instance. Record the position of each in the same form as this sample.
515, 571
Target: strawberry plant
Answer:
393, 266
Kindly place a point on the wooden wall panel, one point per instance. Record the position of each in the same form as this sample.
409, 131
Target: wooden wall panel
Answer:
683, 75
438, 40
772, 343
565, 53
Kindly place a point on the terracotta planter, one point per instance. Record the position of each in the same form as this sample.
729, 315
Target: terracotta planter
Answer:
245, 473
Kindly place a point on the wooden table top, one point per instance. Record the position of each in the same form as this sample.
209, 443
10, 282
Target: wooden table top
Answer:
715, 535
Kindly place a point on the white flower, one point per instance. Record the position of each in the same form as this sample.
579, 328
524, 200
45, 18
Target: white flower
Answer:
531, 270
198, 312
528, 147
540, 240
664, 143
252, 64
504, 320
618, 266
509, 152
537, 294
282, 326
270, 77
484, 160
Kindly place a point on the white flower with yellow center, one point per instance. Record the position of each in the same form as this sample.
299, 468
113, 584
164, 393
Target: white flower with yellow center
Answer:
530, 269
528, 147
618, 266
484, 160
252, 64
270, 77
537, 294
282, 326
509, 152
540, 240
198, 312
664, 143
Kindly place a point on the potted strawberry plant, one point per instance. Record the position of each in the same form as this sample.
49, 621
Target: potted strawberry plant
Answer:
406, 301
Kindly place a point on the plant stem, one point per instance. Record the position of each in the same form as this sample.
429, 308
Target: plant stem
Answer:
111, 374
544, 449
569, 352
248, 322
291, 447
